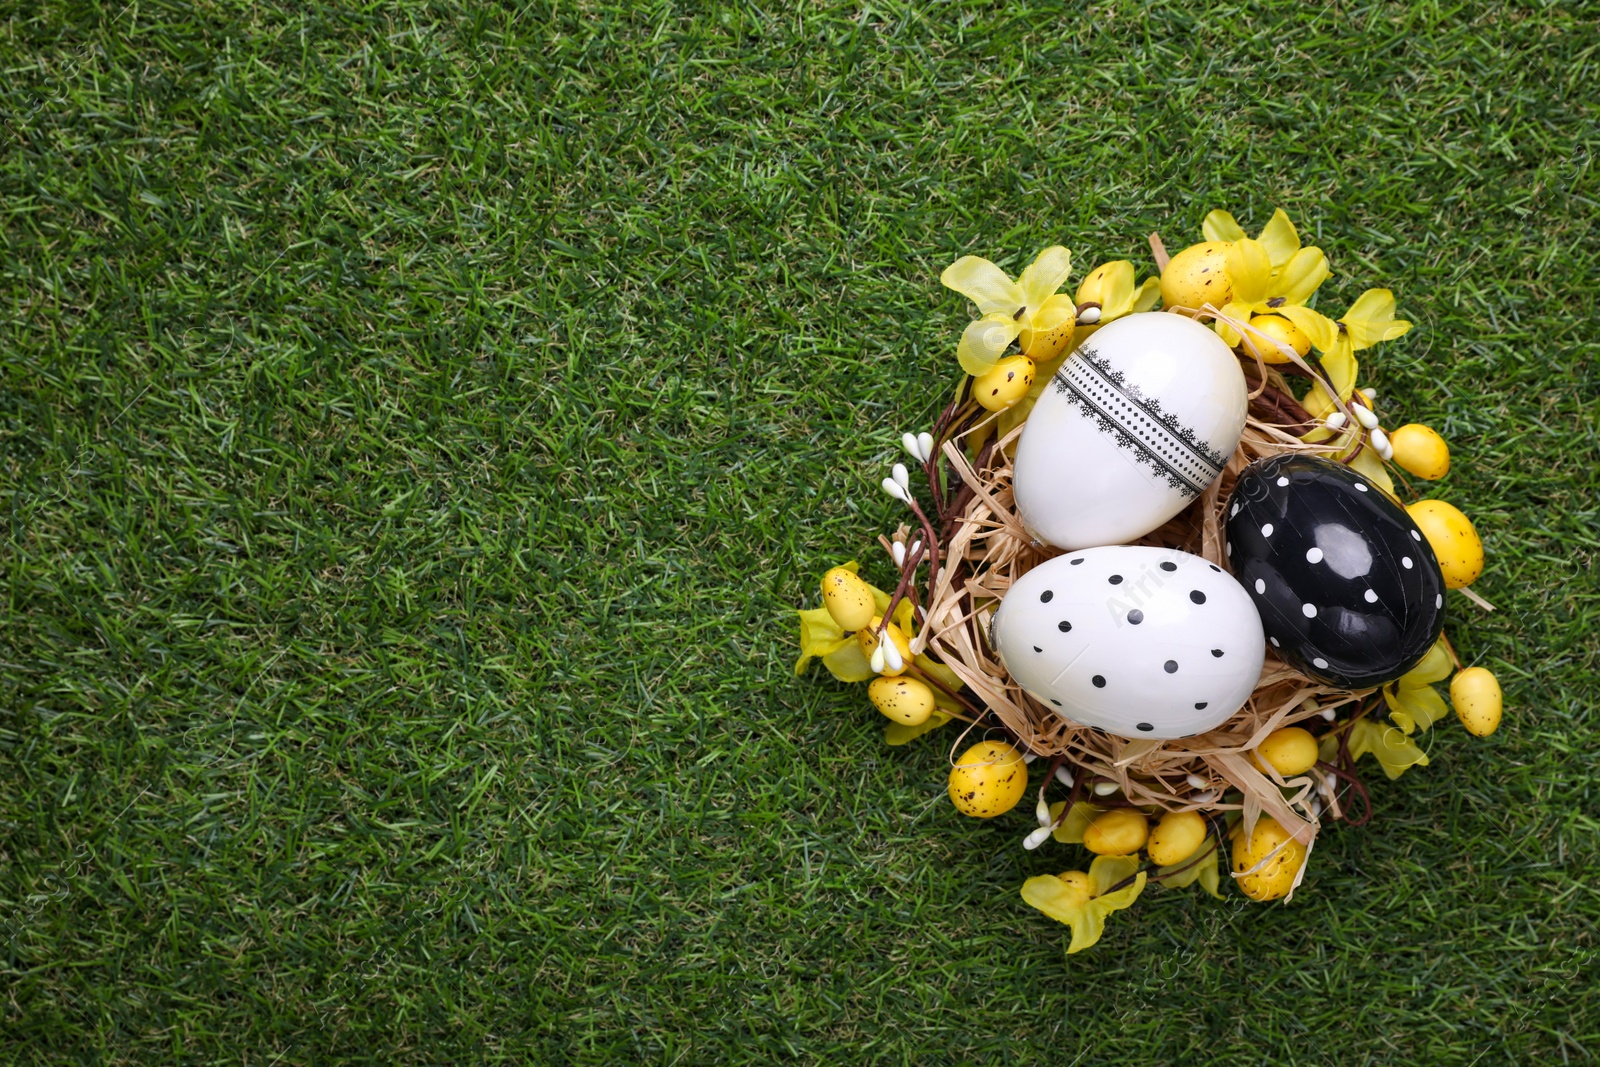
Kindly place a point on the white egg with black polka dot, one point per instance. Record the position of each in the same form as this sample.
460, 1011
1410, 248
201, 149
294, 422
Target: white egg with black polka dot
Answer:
1139, 642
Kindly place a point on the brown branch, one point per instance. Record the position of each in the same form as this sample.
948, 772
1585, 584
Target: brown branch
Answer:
1357, 787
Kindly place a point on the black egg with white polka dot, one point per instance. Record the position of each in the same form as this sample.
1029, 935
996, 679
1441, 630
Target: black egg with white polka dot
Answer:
1348, 589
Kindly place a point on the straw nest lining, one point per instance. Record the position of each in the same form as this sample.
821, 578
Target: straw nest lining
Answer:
990, 550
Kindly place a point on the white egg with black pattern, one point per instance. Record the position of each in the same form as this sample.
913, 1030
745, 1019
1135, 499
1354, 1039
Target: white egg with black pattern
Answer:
1131, 429
1139, 642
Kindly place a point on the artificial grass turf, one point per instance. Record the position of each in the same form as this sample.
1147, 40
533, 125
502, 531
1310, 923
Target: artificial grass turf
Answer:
419, 421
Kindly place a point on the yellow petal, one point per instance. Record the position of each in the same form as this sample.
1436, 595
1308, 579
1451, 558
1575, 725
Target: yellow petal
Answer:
1055, 312
1249, 270
848, 663
1203, 871
1047, 273
1066, 904
1107, 871
1318, 327
1393, 749
1015, 415
984, 284
1086, 933
1396, 328
1435, 667
1339, 364
984, 341
1221, 226
898, 733
1316, 435
1060, 901
1146, 297
1371, 466
1111, 286
948, 677
1235, 310
904, 618
1279, 238
1318, 403
1374, 305
1097, 910
1371, 319
1301, 275
819, 635
1414, 706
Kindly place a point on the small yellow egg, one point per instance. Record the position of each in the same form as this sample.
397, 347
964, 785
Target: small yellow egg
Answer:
847, 598
1005, 383
1042, 346
1476, 696
905, 700
1077, 883
1176, 837
1197, 276
867, 639
988, 780
1421, 451
1275, 879
1290, 751
1282, 330
1118, 832
1455, 543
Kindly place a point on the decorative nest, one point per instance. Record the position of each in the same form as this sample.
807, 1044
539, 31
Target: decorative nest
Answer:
935, 632
987, 549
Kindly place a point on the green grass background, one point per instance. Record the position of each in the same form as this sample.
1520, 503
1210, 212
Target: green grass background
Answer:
418, 422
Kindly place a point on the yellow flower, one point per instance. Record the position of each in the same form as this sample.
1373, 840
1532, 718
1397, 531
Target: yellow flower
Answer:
1278, 236
1412, 700
1111, 285
1258, 289
1081, 901
1395, 752
1369, 320
1009, 308
821, 637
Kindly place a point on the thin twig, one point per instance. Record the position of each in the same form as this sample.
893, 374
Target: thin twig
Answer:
1134, 877
1158, 252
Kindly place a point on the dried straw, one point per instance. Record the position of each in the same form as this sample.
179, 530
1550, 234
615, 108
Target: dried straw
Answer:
990, 550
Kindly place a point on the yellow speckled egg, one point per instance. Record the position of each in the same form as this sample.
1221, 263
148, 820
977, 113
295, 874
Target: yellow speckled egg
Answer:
988, 780
867, 638
1455, 543
1176, 837
1281, 330
1290, 751
1421, 451
1006, 383
1275, 879
1197, 276
1476, 696
1042, 346
847, 598
905, 700
1118, 832
1077, 883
